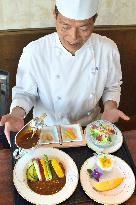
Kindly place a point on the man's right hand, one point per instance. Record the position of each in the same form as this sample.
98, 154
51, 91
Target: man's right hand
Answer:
13, 121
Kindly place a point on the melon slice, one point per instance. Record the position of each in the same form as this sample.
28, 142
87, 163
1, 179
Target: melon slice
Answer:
108, 185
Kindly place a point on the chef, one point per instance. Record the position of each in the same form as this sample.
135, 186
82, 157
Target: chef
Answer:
66, 73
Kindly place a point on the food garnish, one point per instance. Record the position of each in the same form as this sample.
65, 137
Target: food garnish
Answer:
46, 137
34, 173
102, 133
43, 163
69, 133
37, 169
108, 185
46, 176
96, 174
48, 167
57, 168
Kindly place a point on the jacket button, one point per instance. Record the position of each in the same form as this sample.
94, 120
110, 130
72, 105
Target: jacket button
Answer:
58, 76
58, 97
61, 117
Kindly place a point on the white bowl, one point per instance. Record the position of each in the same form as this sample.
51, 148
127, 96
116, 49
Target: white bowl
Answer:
107, 159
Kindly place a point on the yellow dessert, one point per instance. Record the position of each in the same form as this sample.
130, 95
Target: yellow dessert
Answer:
108, 185
105, 162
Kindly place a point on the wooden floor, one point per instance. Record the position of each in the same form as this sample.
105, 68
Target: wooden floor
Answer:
6, 197
1, 146
130, 137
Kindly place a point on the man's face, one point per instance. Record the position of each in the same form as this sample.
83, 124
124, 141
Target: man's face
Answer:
73, 33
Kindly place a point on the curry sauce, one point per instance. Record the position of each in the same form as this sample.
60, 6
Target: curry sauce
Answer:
27, 139
48, 187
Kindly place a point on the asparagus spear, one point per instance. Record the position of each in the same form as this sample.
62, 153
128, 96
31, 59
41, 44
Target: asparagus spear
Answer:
48, 167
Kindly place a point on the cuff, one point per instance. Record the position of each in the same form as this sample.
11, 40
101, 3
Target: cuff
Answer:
20, 103
114, 97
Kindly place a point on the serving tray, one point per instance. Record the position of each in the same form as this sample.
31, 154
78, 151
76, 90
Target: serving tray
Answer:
79, 155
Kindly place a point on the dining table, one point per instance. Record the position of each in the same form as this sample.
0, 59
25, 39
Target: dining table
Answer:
10, 196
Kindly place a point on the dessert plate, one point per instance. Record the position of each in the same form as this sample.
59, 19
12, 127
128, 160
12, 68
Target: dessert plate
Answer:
20, 180
117, 195
115, 144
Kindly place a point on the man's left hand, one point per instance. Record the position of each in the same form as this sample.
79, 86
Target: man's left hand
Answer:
113, 115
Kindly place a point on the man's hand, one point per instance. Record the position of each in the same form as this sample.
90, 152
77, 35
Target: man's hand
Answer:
13, 122
113, 115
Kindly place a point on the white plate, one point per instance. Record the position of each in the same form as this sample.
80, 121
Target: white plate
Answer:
116, 196
117, 142
20, 181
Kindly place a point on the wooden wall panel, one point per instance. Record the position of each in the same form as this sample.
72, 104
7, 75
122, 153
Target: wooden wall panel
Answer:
13, 41
11, 46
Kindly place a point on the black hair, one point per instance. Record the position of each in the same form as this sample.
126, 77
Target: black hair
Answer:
56, 11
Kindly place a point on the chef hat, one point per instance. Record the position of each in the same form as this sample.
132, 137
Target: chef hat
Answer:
77, 9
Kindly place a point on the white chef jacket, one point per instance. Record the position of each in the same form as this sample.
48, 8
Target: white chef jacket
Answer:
67, 88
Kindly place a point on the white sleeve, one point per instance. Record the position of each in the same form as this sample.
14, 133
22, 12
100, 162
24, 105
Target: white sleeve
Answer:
112, 89
25, 92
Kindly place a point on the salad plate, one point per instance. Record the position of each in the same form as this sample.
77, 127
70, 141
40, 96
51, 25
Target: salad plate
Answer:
21, 183
103, 136
117, 195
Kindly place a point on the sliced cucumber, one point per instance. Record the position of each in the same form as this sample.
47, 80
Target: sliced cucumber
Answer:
30, 178
31, 173
34, 173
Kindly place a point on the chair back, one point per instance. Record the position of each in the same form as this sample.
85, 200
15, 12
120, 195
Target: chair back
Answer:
4, 92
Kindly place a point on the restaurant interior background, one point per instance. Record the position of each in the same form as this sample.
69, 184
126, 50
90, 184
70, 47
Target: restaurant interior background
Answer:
117, 19
20, 14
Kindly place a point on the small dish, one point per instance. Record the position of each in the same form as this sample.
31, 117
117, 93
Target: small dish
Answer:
71, 133
49, 134
105, 162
